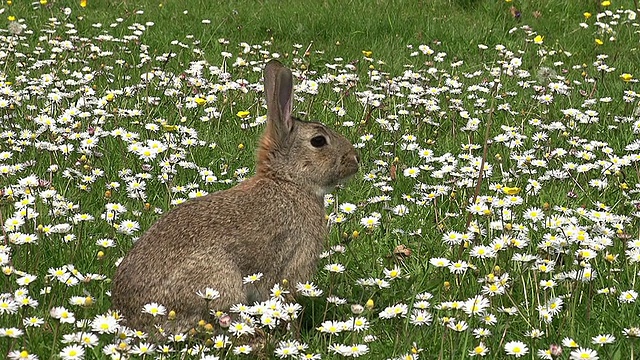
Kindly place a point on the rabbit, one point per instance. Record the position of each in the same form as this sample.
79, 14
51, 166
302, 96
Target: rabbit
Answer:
273, 223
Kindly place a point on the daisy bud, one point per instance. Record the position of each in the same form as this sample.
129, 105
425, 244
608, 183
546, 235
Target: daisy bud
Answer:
357, 309
225, 321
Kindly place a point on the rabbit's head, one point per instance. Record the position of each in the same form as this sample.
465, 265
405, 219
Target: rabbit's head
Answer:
307, 154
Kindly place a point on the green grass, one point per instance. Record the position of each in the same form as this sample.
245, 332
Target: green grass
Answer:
437, 201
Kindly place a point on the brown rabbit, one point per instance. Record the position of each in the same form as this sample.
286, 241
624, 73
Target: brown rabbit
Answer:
273, 223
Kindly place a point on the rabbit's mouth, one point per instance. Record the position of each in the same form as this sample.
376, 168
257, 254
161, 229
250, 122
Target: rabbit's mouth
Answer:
347, 173
350, 166
339, 183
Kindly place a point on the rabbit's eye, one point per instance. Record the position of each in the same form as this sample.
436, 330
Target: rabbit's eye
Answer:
318, 141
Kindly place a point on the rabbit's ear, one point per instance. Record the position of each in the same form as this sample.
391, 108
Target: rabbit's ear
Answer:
278, 85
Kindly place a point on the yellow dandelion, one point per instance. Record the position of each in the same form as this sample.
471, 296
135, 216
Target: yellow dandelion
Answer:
605, 3
83, 3
243, 114
367, 53
587, 15
369, 304
626, 77
599, 42
539, 39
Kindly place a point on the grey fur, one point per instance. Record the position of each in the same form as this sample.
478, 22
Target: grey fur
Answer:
273, 223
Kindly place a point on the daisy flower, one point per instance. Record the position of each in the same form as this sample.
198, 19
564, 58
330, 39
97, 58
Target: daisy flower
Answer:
569, 342
394, 311
628, 296
476, 305
516, 348
242, 349
335, 268
421, 317
412, 172
142, 349
33, 321
154, 309
370, 221
393, 273
11, 332
439, 262
583, 354
458, 326
252, 278
355, 350
72, 352
240, 328
208, 294
21, 355
348, 208
480, 350
104, 324
603, 339
332, 327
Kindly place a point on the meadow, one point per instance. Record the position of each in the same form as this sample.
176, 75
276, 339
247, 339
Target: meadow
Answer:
495, 213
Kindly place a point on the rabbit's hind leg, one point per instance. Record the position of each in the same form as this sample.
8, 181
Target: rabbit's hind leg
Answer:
203, 284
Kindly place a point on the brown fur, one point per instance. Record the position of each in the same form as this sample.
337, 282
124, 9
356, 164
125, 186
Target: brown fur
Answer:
273, 223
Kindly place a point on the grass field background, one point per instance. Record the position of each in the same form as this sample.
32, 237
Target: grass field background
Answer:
113, 112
